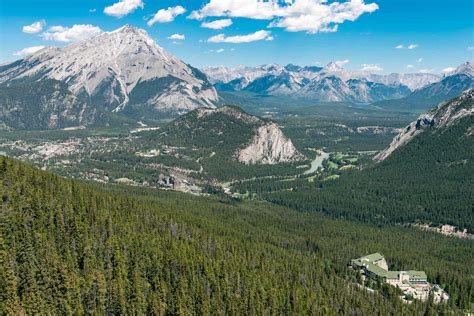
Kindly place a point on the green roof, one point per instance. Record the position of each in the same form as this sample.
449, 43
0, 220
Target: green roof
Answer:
373, 257
375, 269
392, 274
417, 274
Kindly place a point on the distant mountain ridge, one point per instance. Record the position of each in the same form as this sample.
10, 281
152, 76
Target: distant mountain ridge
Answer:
123, 71
327, 84
451, 85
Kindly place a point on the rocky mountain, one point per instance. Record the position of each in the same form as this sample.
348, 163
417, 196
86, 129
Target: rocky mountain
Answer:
438, 119
413, 81
123, 71
284, 83
450, 86
45, 104
231, 134
331, 83
269, 146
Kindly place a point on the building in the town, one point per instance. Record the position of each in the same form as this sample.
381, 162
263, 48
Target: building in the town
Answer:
448, 229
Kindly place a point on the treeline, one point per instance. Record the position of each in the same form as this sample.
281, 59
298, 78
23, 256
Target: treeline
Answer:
66, 248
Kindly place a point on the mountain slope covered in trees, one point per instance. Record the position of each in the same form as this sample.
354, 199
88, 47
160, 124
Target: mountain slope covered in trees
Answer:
429, 178
67, 247
230, 143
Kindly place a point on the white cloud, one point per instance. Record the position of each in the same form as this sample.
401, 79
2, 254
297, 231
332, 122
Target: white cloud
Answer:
166, 15
419, 60
28, 51
371, 68
123, 7
257, 36
220, 50
75, 33
34, 28
410, 46
410, 66
448, 69
311, 16
341, 63
177, 37
217, 24
93, 10
253, 9
470, 48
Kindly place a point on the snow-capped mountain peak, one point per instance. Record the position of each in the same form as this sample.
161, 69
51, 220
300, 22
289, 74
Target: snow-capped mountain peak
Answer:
111, 67
332, 67
331, 83
466, 69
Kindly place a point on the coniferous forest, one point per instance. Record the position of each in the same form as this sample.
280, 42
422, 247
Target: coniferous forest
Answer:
73, 248
237, 157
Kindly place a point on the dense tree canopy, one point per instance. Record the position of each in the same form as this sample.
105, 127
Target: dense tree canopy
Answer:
68, 247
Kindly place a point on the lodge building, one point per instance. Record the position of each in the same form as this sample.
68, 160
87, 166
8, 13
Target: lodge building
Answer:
413, 283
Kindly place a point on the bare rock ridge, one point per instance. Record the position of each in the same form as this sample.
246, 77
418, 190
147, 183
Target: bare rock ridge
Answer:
119, 71
269, 146
442, 116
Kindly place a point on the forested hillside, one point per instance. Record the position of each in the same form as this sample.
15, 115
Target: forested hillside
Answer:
67, 247
428, 179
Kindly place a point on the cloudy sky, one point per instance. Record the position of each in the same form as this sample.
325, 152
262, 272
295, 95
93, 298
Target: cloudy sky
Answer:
377, 35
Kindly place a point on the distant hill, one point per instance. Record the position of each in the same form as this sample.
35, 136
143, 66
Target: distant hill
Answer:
232, 134
228, 144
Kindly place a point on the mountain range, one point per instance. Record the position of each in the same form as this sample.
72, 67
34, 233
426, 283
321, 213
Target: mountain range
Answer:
123, 76
328, 84
332, 83
123, 71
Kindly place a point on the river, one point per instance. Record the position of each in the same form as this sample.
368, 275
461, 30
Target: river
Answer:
317, 161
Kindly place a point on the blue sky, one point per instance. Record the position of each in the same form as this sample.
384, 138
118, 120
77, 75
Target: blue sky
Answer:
440, 32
